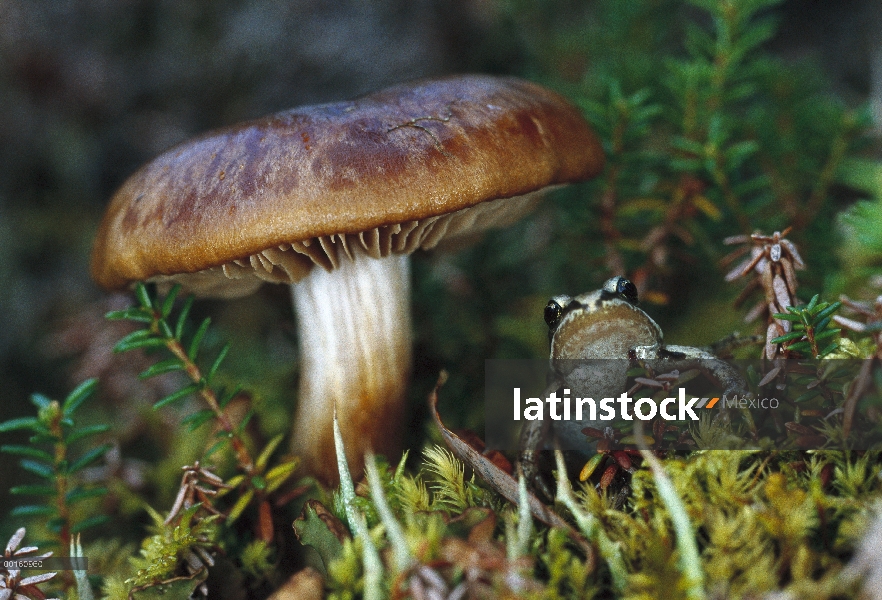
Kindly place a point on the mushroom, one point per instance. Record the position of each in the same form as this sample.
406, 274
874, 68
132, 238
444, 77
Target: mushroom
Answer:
351, 188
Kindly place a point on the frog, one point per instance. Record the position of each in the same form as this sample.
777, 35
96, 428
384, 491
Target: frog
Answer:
608, 324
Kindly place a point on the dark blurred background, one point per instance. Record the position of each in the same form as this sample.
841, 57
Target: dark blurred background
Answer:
90, 89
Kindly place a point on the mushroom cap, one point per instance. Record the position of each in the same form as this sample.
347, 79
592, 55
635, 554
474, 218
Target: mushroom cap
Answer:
274, 196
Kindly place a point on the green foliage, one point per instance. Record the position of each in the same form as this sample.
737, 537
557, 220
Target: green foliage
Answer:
321, 531
257, 560
51, 457
175, 559
760, 523
187, 540
257, 478
861, 250
162, 332
783, 522
450, 489
811, 334
707, 135
862, 222
189, 534
441, 551
569, 576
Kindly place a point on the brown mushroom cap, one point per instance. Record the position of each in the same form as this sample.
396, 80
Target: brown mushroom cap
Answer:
268, 197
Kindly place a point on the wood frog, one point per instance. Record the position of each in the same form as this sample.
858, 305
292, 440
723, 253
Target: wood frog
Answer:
607, 324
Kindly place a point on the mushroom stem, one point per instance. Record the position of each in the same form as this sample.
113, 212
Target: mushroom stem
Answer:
354, 326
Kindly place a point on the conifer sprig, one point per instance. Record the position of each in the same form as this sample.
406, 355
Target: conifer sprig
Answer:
257, 477
811, 332
161, 331
50, 456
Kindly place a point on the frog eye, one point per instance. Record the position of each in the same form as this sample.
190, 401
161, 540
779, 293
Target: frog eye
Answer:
627, 290
621, 287
554, 311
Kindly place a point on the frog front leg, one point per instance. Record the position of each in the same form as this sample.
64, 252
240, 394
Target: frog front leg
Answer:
682, 358
534, 434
